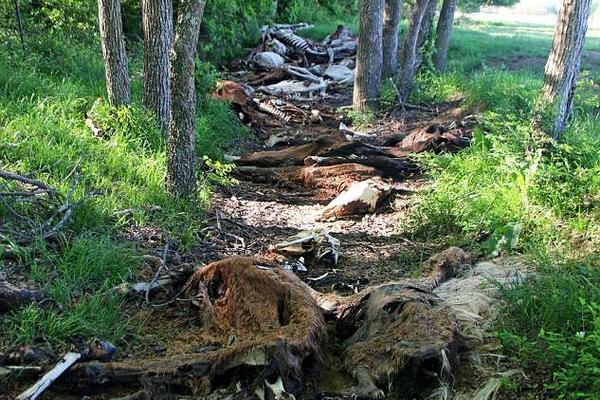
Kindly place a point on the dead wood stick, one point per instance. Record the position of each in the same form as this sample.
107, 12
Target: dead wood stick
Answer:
45, 381
158, 270
28, 181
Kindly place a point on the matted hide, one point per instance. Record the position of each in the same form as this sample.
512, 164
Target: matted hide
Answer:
259, 325
327, 181
400, 334
437, 138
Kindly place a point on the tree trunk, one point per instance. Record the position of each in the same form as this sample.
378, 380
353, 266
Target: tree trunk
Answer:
409, 48
562, 67
425, 32
181, 177
369, 56
157, 23
391, 30
113, 50
443, 34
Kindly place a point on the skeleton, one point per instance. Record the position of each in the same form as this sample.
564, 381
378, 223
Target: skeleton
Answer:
292, 87
341, 74
300, 45
360, 198
303, 73
276, 46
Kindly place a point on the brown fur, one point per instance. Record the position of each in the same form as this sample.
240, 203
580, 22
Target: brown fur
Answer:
328, 180
294, 155
255, 317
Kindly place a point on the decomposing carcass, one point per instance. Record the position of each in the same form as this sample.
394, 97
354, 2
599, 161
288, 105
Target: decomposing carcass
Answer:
258, 325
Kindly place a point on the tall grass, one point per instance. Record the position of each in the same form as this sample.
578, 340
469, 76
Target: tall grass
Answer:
514, 183
44, 99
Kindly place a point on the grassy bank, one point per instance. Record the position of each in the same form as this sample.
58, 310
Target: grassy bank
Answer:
44, 98
516, 192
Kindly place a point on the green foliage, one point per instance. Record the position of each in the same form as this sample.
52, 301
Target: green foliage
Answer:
132, 127
516, 190
550, 331
78, 279
474, 5
361, 119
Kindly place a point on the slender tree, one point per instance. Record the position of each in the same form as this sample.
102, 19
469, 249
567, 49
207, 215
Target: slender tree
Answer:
425, 32
181, 176
409, 48
443, 35
369, 56
391, 31
113, 50
157, 23
564, 61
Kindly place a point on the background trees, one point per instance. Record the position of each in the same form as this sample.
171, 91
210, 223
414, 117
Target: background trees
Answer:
181, 176
443, 34
564, 61
391, 32
113, 49
369, 56
408, 56
157, 23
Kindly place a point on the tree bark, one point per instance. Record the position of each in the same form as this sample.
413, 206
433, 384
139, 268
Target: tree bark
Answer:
157, 23
181, 177
425, 32
113, 50
564, 61
369, 56
443, 34
409, 48
391, 30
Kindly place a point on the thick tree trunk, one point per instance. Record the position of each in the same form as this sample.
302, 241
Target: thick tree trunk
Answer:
157, 23
425, 32
564, 61
369, 56
391, 30
181, 177
409, 48
443, 34
113, 50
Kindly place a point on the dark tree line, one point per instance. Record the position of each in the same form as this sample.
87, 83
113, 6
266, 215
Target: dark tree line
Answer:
378, 57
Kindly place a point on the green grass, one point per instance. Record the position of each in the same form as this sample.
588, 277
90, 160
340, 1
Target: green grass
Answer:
517, 192
43, 101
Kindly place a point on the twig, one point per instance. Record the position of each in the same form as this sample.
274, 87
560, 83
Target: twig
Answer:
159, 270
22, 179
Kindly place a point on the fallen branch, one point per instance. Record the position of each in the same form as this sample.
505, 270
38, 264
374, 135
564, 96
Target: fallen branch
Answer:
162, 265
28, 181
45, 381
